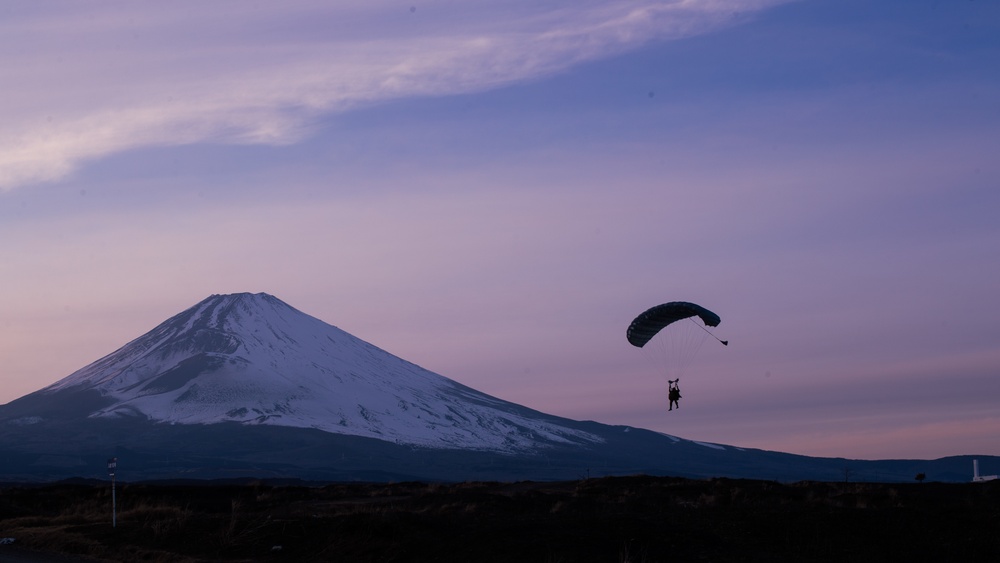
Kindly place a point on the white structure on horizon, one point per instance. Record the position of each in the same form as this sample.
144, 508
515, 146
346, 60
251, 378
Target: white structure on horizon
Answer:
976, 477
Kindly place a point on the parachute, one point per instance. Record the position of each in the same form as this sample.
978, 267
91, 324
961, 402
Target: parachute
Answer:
649, 323
674, 343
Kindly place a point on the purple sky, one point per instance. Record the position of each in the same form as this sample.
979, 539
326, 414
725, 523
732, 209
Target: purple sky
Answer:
494, 192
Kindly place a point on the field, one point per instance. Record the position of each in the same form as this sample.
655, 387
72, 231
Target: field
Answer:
612, 519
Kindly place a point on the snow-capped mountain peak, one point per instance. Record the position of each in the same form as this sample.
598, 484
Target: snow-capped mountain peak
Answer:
253, 359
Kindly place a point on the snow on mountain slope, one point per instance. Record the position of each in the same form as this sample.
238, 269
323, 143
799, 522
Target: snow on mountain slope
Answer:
253, 359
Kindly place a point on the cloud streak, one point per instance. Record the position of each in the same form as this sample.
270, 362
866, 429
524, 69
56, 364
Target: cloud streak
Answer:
106, 98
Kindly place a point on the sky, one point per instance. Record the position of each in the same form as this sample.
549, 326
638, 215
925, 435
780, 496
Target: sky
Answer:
493, 191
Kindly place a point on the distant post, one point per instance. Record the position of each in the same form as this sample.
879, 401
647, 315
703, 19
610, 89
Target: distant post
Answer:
112, 466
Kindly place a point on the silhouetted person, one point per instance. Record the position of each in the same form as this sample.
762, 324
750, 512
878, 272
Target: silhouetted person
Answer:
674, 394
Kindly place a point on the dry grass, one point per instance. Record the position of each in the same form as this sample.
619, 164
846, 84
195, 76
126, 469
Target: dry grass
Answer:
629, 519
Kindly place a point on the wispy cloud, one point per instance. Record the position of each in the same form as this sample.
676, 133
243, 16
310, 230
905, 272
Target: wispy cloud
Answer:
169, 78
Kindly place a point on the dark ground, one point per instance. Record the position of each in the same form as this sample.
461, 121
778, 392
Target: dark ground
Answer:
613, 519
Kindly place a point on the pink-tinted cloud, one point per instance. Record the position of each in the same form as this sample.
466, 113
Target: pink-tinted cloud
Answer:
156, 76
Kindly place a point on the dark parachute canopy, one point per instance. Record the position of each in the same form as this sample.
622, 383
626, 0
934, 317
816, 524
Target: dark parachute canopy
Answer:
650, 322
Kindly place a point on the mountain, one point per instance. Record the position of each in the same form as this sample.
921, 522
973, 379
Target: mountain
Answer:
253, 359
245, 385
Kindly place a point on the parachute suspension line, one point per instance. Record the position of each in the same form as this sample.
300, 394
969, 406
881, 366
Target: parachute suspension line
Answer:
672, 351
724, 342
655, 331
686, 344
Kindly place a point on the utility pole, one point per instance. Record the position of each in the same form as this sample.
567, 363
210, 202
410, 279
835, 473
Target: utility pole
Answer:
112, 466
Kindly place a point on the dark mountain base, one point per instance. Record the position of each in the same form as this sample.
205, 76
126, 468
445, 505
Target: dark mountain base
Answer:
56, 450
636, 519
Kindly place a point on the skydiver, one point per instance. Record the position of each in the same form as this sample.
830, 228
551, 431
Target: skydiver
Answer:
674, 393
